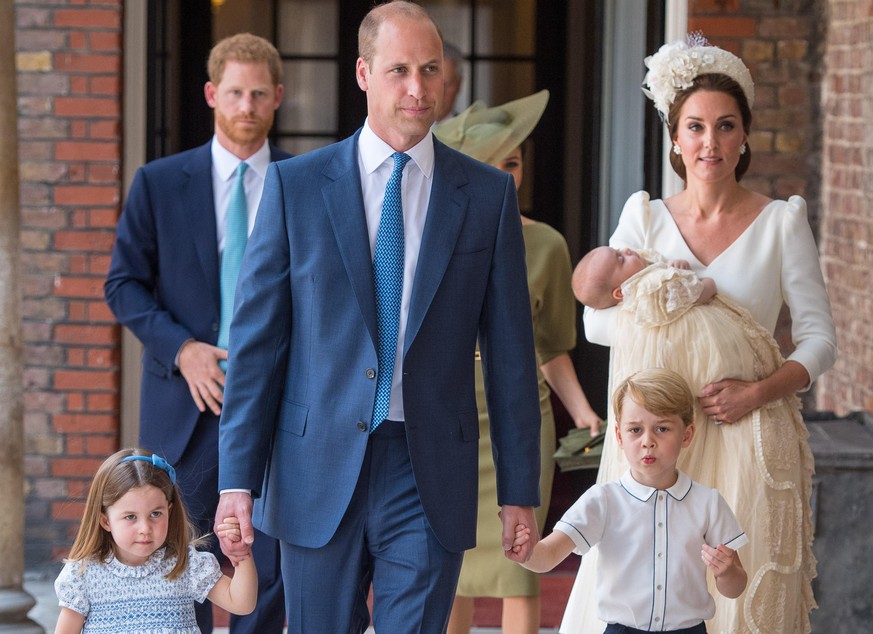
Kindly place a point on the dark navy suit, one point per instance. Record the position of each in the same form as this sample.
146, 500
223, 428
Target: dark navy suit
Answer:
163, 284
301, 381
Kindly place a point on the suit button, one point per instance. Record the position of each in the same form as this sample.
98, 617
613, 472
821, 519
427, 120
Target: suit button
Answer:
371, 373
362, 426
214, 327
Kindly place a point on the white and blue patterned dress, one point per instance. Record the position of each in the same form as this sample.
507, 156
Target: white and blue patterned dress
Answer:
115, 597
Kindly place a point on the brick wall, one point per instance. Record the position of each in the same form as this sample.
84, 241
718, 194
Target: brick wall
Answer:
847, 201
780, 42
69, 64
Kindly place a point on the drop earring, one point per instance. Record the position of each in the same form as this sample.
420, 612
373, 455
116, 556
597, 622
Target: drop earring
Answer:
676, 149
743, 149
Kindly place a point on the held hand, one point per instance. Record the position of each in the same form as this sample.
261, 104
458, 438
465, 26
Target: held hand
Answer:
727, 401
233, 526
198, 363
719, 560
515, 519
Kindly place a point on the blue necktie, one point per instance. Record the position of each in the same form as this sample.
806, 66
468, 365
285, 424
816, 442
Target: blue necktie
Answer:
388, 275
236, 229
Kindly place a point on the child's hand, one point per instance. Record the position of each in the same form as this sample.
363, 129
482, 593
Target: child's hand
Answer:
719, 560
679, 264
229, 530
522, 536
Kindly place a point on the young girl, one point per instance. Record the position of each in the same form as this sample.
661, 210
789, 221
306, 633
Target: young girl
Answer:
134, 566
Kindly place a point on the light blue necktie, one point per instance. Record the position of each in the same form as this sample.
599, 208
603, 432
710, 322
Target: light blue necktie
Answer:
388, 275
236, 229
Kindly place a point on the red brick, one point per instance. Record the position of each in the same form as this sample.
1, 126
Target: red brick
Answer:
87, 380
75, 402
102, 445
104, 130
78, 311
83, 423
719, 27
84, 240
87, 18
75, 467
103, 402
85, 195
78, 40
79, 85
85, 334
105, 41
75, 358
86, 151
105, 63
98, 264
98, 312
82, 287
105, 85
85, 107
103, 218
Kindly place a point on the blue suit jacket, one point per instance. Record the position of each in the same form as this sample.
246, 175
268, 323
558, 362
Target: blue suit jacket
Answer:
301, 380
163, 284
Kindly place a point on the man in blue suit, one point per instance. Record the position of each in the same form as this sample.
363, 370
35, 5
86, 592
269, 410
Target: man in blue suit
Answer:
356, 494
163, 284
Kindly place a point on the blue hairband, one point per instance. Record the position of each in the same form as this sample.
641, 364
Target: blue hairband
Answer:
159, 462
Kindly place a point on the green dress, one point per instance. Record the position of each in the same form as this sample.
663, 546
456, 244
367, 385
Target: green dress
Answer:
486, 572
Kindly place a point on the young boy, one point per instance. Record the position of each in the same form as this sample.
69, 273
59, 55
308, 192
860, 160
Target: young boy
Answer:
599, 277
656, 530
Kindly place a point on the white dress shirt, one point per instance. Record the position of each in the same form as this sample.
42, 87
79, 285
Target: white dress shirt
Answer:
375, 164
224, 166
649, 572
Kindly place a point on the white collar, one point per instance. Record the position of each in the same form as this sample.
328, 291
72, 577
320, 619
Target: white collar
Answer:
642, 492
374, 151
225, 162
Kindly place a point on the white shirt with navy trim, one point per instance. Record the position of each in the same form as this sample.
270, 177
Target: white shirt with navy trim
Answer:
649, 572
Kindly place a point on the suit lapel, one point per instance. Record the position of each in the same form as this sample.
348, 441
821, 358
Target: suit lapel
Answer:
345, 208
445, 215
199, 204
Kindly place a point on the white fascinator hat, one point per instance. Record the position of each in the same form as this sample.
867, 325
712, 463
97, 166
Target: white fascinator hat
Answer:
675, 66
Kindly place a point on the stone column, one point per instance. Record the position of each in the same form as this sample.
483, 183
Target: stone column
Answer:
14, 602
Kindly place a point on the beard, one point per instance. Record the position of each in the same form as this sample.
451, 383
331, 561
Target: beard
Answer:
244, 134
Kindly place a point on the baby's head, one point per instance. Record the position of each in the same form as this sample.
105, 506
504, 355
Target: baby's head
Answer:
599, 275
654, 413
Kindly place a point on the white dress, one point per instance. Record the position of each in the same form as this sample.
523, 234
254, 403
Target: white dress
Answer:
762, 464
114, 597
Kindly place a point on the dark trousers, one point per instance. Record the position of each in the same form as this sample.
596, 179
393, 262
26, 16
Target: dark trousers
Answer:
617, 628
384, 539
197, 476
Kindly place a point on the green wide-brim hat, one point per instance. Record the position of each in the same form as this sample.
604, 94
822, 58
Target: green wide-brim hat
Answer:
489, 134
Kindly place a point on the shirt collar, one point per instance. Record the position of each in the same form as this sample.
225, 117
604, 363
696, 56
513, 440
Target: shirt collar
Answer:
642, 492
225, 162
374, 151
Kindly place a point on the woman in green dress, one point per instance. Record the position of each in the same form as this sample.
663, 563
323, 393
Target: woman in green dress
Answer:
495, 136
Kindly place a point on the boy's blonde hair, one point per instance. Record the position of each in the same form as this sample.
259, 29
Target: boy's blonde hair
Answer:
113, 480
657, 390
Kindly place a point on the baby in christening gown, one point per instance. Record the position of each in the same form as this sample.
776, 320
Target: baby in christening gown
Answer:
670, 318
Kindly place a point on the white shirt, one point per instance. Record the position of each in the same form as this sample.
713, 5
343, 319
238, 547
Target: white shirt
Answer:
375, 165
649, 572
224, 166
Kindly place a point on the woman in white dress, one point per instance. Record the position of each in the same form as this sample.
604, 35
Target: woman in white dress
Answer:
761, 254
